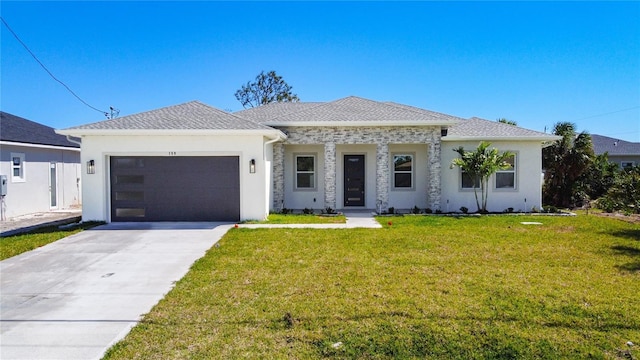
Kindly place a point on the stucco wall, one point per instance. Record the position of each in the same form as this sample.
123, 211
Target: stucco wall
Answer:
253, 195
528, 179
32, 195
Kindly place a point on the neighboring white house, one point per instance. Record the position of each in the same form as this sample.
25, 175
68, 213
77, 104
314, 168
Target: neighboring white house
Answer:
192, 162
623, 153
42, 168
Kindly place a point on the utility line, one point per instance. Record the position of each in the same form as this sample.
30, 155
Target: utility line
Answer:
49, 72
609, 113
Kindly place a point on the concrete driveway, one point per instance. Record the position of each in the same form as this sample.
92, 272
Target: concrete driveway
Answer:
74, 298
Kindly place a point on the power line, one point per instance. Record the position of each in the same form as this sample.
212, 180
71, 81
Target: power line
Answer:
608, 113
107, 114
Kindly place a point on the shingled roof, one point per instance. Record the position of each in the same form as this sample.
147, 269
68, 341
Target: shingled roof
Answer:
481, 129
612, 146
20, 130
192, 115
349, 111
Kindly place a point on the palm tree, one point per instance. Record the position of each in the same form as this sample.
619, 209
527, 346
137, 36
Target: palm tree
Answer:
480, 165
564, 162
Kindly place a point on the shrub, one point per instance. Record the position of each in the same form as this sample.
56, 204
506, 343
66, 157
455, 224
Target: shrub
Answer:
328, 210
391, 210
428, 211
307, 211
464, 209
285, 211
438, 211
416, 210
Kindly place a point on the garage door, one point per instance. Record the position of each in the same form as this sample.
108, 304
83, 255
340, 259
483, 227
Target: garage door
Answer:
175, 188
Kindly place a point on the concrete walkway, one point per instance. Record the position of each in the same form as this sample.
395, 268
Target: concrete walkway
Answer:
24, 223
361, 219
75, 298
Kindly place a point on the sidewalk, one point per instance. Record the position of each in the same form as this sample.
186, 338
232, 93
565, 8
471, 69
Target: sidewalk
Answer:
362, 219
24, 223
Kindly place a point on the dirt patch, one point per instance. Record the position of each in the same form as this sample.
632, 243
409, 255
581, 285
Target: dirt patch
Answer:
633, 218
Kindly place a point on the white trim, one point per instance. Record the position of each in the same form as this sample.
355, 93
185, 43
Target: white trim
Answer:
22, 167
314, 172
412, 172
12, 143
349, 123
514, 170
501, 138
160, 132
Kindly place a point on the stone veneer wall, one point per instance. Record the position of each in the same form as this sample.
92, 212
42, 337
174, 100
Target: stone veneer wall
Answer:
382, 136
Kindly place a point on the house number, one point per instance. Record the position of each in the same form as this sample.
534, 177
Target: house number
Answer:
172, 153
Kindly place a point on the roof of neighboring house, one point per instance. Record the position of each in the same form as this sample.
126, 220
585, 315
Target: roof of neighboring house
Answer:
481, 129
192, 115
349, 111
20, 130
613, 146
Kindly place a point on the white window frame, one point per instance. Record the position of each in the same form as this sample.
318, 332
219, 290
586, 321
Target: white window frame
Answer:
21, 168
394, 172
313, 172
629, 164
466, 188
513, 170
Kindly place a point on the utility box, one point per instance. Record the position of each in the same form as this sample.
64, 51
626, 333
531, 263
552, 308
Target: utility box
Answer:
3, 185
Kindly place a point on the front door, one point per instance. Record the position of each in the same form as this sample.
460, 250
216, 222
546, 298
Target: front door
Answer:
354, 180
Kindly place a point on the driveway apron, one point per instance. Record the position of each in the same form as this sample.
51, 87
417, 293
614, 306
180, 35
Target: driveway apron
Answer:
74, 298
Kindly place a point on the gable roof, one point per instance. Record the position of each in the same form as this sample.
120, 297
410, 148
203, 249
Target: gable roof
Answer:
349, 111
187, 117
481, 129
20, 130
602, 144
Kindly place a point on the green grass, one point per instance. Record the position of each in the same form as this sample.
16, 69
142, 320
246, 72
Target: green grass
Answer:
424, 287
301, 219
18, 244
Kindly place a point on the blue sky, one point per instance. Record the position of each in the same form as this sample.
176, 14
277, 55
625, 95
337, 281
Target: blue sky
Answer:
533, 62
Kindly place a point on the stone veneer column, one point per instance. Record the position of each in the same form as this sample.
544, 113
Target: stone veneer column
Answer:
330, 175
278, 176
382, 176
433, 197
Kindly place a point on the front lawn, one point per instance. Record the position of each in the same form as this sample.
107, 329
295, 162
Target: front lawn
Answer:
17, 244
423, 287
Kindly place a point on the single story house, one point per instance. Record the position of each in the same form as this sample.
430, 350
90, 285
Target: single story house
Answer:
41, 169
193, 162
624, 153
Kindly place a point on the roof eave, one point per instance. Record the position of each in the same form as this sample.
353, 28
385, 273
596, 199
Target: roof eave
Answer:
499, 138
358, 123
40, 146
168, 132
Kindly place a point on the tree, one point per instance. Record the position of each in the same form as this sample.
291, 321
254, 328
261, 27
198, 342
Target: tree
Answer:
480, 165
505, 121
598, 178
266, 88
564, 162
624, 194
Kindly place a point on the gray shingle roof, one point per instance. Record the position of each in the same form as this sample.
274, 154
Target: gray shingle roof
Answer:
274, 110
477, 128
16, 129
602, 144
350, 109
192, 115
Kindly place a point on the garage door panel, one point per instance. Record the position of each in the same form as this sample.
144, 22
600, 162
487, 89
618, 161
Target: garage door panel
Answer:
175, 188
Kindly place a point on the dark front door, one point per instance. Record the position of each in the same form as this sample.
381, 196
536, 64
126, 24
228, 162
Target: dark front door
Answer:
354, 180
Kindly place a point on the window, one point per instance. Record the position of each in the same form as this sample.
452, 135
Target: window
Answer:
506, 179
468, 181
305, 172
627, 164
17, 167
403, 171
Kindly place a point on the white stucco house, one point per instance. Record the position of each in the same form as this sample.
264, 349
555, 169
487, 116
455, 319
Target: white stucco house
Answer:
193, 162
40, 167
